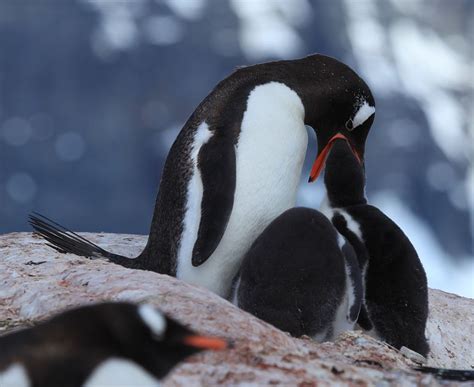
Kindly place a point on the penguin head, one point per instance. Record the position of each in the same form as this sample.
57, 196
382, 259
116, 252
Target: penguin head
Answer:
153, 340
344, 176
337, 102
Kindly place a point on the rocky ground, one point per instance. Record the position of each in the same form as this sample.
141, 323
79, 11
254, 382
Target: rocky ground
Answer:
36, 282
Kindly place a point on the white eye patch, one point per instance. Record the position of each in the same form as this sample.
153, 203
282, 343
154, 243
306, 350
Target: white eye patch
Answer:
153, 319
361, 115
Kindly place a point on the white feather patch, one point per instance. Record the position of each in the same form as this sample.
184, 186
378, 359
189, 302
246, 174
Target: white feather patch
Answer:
153, 319
120, 372
341, 323
192, 217
352, 225
14, 376
235, 295
340, 240
362, 114
328, 211
350, 293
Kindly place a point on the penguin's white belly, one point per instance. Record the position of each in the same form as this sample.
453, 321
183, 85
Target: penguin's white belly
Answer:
120, 372
342, 321
269, 157
14, 376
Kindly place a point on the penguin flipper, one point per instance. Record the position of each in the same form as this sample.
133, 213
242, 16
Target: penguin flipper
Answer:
216, 162
364, 319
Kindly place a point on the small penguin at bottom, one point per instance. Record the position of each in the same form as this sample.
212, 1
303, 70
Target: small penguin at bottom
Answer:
97, 345
395, 285
301, 276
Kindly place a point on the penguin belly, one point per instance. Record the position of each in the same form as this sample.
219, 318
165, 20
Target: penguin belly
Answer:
15, 375
296, 277
269, 158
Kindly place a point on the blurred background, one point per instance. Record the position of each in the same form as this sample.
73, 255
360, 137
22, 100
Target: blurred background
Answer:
93, 93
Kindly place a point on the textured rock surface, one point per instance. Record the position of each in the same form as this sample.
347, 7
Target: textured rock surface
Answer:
36, 281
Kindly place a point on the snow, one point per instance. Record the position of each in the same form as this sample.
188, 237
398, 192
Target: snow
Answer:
163, 30
267, 28
190, 10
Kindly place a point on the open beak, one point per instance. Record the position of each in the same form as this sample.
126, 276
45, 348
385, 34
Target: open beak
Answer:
206, 342
320, 161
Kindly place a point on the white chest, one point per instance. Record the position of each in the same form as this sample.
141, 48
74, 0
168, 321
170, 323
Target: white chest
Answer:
269, 158
120, 372
14, 376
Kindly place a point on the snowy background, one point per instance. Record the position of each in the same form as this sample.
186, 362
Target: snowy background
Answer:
93, 93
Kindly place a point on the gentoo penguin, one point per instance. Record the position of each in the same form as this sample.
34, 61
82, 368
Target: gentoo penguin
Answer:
106, 344
301, 276
396, 295
236, 164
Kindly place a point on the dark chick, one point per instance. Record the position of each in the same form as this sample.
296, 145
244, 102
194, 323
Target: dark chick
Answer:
396, 292
301, 276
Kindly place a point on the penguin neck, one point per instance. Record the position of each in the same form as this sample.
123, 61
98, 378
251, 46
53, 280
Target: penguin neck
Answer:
344, 178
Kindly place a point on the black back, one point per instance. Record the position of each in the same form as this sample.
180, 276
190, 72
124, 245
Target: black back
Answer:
64, 350
293, 276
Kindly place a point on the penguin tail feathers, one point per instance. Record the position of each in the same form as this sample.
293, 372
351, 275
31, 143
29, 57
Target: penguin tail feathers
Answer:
448, 374
66, 241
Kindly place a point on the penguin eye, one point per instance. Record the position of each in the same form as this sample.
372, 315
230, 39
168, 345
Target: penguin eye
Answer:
349, 125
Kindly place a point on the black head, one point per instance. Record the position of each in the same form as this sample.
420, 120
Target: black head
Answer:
336, 100
344, 177
153, 340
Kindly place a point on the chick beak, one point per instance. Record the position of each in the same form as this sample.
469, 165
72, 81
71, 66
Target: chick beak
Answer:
320, 161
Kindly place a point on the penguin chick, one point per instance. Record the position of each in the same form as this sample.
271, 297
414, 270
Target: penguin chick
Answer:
396, 291
302, 277
103, 344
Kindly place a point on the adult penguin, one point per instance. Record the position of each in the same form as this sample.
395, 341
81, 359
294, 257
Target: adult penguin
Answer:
106, 344
396, 290
236, 165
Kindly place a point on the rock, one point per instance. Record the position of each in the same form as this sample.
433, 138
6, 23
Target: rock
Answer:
37, 282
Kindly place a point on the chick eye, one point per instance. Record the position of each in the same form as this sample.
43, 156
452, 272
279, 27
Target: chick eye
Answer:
349, 125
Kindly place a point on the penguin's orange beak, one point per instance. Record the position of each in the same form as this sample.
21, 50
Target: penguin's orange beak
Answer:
320, 161
206, 342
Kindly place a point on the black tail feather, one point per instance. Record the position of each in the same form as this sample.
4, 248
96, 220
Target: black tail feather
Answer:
448, 374
66, 241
